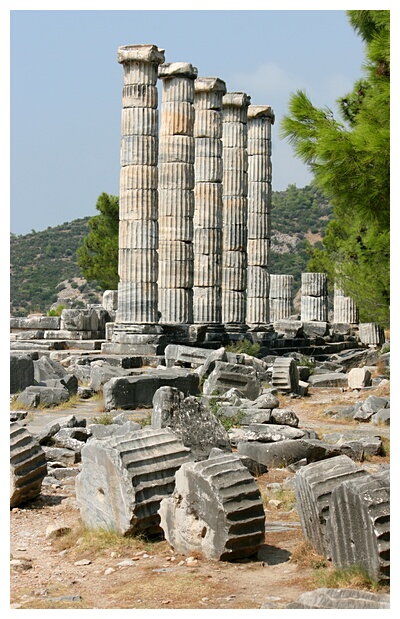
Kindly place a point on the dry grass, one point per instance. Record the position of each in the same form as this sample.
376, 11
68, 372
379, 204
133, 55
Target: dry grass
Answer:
90, 543
352, 577
305, 556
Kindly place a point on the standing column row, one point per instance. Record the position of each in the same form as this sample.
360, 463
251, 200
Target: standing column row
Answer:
138, 216
234, 212
260, 118
176, 197
208, 200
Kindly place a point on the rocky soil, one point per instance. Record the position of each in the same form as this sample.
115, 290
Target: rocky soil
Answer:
73, 571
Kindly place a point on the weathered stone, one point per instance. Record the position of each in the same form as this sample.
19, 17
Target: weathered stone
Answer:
284, 416
124, 479
177, 354
166, 402
382, 416
193, 424
79, 320
359, 378
45, 396
289, 328
314, 485
110, 300
228, 375
101, 372
35, 322
21, 372
209, 364
341, 599
315, 328
28, 465
371, 406
251, 415
60, 455
284, 453
285, 375
216, 509
358, 527
328, 379
138, 391
267, 400
272, 432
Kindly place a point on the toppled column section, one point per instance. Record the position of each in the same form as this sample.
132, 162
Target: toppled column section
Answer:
176, 197
138, 227
314, 485
208, 201
285, 375
234, 213
260, 118
28, 465
123, 479
280, 297
344, 308
359, 525
216, 509
314, 297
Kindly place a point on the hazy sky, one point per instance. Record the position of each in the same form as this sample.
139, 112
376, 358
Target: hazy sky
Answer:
66, 85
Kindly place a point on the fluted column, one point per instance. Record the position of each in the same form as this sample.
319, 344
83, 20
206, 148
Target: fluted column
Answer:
176, 197
234, 212
314, 297
207, 241
280, 297
138, 226
344, 308
259, 121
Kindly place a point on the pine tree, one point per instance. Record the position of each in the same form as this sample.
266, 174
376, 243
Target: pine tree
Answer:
98, 256
350, 160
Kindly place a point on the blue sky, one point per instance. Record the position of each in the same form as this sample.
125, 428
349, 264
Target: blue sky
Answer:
66, 83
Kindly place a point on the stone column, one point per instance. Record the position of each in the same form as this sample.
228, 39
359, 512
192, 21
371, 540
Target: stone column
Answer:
138, 227
234, 212
344, 308
260, 118
280, 297
207, 299
314, 297
176, 197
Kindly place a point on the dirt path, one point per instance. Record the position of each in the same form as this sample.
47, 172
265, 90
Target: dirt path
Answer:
69, 572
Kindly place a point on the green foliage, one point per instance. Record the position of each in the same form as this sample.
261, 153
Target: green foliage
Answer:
350, 160
228, 423
296, 212
98, 255
34, 275
244, 347
57, 311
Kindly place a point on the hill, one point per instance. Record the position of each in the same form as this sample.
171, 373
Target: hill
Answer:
45, 273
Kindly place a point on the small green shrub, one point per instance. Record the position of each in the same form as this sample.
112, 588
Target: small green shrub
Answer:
244, 347
105, 419
57, 311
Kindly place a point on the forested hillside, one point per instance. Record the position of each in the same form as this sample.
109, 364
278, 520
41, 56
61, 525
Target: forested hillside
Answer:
44, 269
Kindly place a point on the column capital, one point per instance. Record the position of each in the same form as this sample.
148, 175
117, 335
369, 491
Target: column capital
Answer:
209, 84
140, 53
176, 69
236, 99
261, 111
